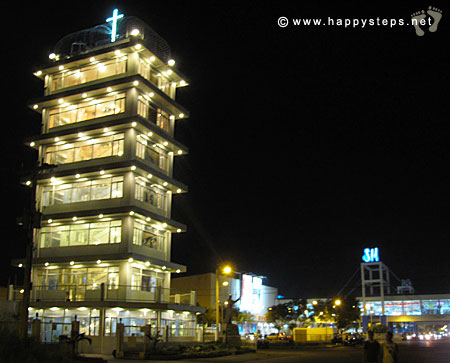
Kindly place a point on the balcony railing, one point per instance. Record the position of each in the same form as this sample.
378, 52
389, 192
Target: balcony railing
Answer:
122, 293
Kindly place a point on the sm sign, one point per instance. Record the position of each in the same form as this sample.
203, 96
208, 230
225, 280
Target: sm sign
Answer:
371, 255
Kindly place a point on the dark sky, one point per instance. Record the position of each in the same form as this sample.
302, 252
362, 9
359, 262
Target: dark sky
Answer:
307, 144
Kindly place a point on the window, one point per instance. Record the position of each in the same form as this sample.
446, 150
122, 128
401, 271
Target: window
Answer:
94, 108
88, 73
84, 191
84, 150
150, 193
163, 120
430, 307
152, 152
146, 280
412, 307
155, 115
81, 234
145, 235
89, 278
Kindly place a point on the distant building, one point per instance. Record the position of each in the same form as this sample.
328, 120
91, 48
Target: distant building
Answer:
255, 297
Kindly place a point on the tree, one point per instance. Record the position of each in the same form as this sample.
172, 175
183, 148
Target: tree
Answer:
288, 313
207, 318
347, 312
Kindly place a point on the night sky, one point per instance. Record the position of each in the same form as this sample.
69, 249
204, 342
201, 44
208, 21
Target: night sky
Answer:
307, 144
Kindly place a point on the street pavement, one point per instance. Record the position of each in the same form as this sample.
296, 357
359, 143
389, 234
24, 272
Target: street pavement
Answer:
420, 352
410, 352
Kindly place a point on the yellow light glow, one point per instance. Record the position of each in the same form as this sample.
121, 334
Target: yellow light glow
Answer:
227, 270
225, 283
337, 302
171, 62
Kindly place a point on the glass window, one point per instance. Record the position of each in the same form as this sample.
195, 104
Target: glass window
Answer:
147, 236
393, 308
81, 234
85, 150
150, 193
83, 191
412, 307
99, 233
430, 307
445, 306
146, 280
151, 152
88, 73
163, 120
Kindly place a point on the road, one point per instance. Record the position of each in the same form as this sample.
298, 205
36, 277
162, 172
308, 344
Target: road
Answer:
410, 352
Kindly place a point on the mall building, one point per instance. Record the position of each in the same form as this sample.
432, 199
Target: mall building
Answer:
399, 308
102, 252
254, 297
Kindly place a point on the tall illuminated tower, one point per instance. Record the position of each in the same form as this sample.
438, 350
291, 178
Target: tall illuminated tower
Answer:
108, 118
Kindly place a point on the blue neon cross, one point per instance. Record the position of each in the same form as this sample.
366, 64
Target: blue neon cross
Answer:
114, 19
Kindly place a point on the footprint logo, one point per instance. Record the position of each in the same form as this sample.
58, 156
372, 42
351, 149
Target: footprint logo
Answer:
416, 19
436, 14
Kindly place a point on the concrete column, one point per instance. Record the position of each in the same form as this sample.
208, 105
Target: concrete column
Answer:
119, 340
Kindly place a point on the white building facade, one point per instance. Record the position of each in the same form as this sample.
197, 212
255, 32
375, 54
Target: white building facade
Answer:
102, 254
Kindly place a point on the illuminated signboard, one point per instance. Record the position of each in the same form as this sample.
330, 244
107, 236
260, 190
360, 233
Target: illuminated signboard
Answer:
116, 16
371, 255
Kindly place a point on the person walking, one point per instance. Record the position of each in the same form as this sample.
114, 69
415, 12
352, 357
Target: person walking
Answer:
371, 349
390, 350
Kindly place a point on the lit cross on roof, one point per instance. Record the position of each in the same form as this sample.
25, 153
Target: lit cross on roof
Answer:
114, 19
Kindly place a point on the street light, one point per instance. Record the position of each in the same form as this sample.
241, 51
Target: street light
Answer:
225, 270
337, 302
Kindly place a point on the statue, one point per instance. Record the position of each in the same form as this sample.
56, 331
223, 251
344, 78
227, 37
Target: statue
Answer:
229, 309
232, 336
